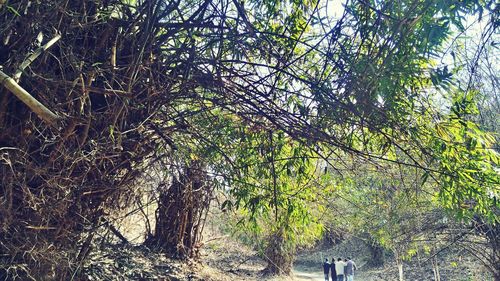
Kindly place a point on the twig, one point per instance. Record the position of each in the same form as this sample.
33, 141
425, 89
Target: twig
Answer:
116, 232
242, 262
215, 238
33, 57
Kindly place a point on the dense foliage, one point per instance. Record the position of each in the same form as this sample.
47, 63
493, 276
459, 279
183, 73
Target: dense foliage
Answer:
275, 98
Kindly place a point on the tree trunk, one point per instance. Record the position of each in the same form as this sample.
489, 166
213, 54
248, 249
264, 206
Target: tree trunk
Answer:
279, 256
400, 270
435, 268
399, 262
180, 214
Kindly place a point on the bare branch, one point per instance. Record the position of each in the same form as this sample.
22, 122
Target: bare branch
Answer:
33, 57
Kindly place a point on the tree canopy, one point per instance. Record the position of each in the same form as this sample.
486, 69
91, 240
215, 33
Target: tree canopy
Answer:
269, 95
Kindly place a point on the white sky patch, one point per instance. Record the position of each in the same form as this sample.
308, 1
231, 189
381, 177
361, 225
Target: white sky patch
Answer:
334, 8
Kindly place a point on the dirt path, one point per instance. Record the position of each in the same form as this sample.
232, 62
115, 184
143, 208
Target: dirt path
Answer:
303, 276
314, 276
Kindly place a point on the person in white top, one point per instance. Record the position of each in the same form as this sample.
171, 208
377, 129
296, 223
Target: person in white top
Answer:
339, 268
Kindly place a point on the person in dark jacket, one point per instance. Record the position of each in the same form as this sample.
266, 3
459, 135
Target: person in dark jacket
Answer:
333, 272
345, 269
326, 269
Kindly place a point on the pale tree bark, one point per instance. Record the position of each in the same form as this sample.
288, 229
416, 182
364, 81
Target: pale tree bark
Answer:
400, 270
399, 262
435, 268
437, 276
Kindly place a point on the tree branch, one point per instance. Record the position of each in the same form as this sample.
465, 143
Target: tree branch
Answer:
33, 57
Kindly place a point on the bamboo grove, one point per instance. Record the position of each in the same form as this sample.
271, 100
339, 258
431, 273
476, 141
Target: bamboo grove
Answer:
257, 97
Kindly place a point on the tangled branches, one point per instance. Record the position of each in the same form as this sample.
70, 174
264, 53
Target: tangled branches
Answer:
106, 78
126, 77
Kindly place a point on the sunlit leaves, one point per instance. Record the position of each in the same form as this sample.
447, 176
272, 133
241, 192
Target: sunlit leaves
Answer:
279, 185
467, 162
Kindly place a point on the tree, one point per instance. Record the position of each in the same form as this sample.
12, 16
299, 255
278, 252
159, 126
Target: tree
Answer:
277, 186
391, 208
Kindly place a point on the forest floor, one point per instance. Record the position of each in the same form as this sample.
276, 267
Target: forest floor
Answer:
223, 259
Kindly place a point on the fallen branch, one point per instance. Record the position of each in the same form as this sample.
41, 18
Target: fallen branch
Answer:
43, 112
33, 57
116, 232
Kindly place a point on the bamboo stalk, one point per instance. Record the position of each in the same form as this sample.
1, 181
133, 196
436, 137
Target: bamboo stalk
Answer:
34, 56
43, 112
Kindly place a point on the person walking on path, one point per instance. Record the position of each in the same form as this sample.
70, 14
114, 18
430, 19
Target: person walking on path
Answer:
339, 268
345, 268
333, 272
326, 269
350, 268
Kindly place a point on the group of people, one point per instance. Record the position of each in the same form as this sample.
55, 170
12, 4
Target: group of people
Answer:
341, 270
